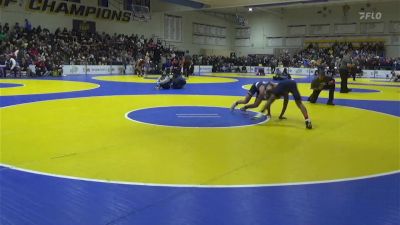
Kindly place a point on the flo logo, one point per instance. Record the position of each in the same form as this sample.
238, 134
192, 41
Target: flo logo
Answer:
370, 15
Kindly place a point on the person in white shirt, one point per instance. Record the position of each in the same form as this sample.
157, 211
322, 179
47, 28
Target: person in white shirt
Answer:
395, 76
11, 65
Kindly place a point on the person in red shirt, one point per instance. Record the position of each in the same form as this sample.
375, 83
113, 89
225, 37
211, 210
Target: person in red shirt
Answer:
40, 67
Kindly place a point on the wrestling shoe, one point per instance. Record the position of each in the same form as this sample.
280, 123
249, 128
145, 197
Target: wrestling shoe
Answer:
308, 124
258, 116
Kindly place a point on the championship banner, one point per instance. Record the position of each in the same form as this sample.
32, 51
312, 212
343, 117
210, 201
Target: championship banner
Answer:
72, 8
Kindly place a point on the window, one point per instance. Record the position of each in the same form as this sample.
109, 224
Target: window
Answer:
130, 4
75, 1
173, 28
103, 3
209, 34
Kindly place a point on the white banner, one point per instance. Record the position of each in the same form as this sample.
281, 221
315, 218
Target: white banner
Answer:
73, 70
383, 74
368, 73
117, 69
301, 71
130, 69
95, 70
267, 70
202, 70
292, 70
205, 69
198, 70
251, 69
377, 73
312, 71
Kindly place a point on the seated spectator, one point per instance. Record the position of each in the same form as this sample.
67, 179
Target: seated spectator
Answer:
395, 76
281, 75
49, 68
40, 67
57, 70
24, 66
332, 70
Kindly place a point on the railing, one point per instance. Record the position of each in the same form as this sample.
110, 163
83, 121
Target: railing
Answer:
377, 73
198, 70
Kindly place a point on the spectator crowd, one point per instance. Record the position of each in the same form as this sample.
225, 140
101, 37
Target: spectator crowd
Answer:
47, 50
365, 56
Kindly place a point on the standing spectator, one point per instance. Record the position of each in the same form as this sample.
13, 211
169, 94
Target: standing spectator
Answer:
2, 36
11, 65
6, 28
17, 28
187, 62
2, 66
28, 26
273, 65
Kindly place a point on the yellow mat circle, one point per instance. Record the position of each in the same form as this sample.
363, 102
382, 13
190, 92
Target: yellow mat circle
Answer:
370, 81
30, 87
91, 138
152, 79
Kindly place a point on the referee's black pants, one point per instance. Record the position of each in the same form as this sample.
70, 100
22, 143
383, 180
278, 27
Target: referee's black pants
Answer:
344, 75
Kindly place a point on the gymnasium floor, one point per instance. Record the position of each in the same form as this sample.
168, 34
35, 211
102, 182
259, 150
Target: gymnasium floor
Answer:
114, 150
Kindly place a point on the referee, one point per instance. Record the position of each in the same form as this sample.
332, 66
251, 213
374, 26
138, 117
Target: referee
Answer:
345, 64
